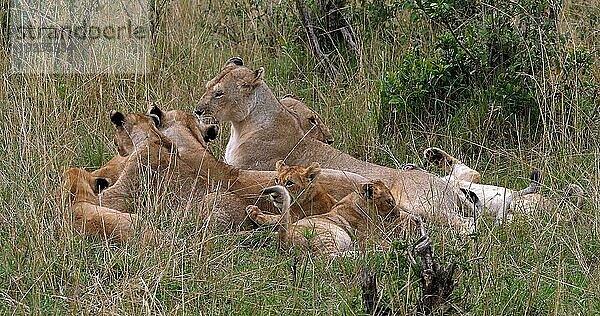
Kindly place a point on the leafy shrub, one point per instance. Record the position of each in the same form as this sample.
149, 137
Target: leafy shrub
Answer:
487, 57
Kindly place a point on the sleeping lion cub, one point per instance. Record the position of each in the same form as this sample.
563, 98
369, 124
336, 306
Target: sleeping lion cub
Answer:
332, 233
501, 202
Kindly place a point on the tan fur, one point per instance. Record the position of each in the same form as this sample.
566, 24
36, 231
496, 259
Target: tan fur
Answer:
451, 165
310, 121
91, 219
238, 187
333, 233
154, 172
308, 194
263, 132
112, 169
183, 169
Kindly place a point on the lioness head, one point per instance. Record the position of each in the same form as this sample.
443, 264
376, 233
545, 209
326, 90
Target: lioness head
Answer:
378, 195
309, 120
133, 129
168, 120
227, 96
297, 180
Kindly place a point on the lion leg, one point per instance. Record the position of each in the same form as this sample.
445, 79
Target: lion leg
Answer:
261, 218
103, 222
451, 165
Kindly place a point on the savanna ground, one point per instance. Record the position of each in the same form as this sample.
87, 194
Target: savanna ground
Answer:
507, 87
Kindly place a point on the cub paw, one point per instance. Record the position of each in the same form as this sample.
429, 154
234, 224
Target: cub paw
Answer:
253, 212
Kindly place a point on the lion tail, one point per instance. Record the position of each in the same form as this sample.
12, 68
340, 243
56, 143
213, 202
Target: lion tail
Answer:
533, 187
281, 199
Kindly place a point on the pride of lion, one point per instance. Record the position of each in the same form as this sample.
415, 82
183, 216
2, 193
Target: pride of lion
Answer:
280, 171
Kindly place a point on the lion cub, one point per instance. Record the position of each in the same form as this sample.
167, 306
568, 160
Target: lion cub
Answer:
308, 195
498, 201
332, 233
91, 219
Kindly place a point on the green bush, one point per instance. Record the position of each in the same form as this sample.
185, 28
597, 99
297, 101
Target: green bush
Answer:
487, 58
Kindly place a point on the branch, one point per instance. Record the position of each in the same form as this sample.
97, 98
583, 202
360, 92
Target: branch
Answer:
312, 37
372, 301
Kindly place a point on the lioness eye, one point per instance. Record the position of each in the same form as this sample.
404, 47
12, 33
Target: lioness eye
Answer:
312, 120
288, 184
219, 94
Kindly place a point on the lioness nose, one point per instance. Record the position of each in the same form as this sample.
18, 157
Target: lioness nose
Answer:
329, 141
199, 112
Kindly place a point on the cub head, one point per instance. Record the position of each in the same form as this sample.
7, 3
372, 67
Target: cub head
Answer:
299, 181
377, 194
171, 120
82, 186
228, 96
132, 130
309, 120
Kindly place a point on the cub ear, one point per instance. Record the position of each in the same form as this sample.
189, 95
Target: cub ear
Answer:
155, 119
117, 118
279, 164
211, 133
237, 61
367, 190
313, 171
101, 184
154, 109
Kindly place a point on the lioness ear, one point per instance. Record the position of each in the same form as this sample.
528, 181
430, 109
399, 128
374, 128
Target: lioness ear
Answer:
367, 190
154, 109
117, 118
259, 74
100, 184
279, 164
313, 171
237, 61
155, 119
290, 96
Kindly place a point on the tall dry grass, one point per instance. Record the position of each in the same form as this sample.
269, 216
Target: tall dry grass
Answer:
540, 264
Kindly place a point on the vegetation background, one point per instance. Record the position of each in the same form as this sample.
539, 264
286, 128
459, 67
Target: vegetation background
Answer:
507, 86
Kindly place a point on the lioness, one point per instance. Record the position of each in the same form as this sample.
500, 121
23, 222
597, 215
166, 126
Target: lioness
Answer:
113, 168
332, 233
263, 132
91, 219
154, 171
193, 169
310, 121
500, 202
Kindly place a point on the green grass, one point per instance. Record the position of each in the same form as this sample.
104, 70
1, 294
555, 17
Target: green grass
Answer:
540, 264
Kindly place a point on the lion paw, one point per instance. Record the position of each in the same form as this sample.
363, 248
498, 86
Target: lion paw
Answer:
253, 212
260, 218
437, 156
